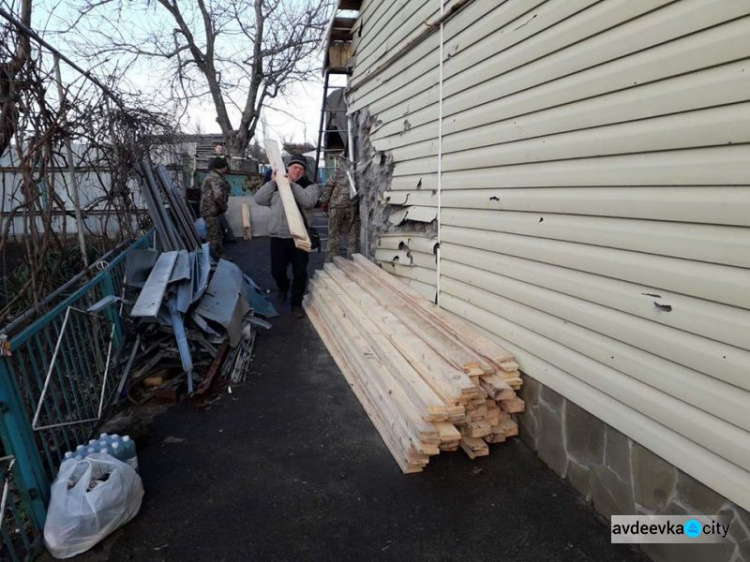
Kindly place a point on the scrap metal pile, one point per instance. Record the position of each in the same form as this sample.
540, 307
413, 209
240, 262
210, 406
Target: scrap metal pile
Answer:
183, 305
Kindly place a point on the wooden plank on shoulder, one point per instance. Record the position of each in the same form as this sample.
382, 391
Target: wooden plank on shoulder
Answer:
291, 210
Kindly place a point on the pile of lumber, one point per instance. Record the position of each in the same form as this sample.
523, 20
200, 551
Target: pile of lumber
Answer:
429, 381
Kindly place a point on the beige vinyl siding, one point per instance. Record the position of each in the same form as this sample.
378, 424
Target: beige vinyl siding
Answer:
594, 202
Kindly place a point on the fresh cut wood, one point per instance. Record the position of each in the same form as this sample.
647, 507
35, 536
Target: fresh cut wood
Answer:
291, 209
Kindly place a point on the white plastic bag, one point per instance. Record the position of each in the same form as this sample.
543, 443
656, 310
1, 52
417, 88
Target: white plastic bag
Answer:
89, 499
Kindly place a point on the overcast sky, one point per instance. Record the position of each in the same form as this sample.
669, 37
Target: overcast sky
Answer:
297, 119
294, 118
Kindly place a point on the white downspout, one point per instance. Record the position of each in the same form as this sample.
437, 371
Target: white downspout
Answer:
440, 156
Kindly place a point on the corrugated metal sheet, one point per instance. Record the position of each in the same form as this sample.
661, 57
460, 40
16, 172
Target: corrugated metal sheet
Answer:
594, 202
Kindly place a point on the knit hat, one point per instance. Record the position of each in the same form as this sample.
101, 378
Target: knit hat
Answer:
218, 163
298, 159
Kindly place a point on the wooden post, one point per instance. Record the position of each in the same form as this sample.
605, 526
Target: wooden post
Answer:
247, 229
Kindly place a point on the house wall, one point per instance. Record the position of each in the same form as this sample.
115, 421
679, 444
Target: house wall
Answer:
588, 166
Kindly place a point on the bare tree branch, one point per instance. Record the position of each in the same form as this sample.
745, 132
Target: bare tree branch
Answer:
239, 54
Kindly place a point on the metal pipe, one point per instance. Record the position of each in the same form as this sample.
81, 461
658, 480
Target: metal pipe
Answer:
322, 120
51, 366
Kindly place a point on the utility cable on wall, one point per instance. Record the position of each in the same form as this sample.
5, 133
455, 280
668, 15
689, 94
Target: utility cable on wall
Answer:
440, 155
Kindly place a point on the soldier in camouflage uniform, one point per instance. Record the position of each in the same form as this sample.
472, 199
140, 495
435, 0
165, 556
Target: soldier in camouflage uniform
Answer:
343, 213
214, 203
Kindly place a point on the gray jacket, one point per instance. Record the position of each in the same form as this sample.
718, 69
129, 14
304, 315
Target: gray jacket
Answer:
268, 196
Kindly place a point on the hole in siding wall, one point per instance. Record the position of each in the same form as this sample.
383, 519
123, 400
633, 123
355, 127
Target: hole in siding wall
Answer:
541, 219
663, 307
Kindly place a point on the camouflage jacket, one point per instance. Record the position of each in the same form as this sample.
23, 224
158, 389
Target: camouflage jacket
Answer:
214, 195
336, 192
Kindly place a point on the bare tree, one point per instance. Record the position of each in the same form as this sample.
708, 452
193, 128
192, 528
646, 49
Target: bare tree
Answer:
41, 114
240, 54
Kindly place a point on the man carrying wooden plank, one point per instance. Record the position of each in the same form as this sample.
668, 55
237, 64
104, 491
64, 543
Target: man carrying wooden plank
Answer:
283, 250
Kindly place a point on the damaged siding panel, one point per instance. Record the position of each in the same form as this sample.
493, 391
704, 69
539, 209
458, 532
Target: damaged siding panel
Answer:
423, 166
370, 13
423, 260
729, 165
416, 182
623, 126
571, 375
691, 204
714, 359
420, 69
423, 275
725, 125
423, 198
467, 28
676, 22
427, 290
725, 245
676, 101
689, 314
722, 284
707, 88
715, 434
403, 27
408, 136
516, 94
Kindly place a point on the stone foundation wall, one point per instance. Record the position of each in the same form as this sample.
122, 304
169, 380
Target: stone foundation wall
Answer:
620, 477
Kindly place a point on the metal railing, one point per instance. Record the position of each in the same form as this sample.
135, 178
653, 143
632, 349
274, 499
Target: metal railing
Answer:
55, 378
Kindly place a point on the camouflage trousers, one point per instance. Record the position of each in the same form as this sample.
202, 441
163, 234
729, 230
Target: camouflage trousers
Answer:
215, 235
342, 220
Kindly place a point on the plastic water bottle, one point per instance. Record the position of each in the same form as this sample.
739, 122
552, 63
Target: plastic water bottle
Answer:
128, 451
91, 451
68, 455
116, 451
93, 443
104, 450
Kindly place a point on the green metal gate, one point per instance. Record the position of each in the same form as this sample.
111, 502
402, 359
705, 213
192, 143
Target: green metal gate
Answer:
52, 391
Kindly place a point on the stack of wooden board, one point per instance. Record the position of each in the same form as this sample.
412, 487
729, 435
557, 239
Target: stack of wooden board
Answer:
429, 381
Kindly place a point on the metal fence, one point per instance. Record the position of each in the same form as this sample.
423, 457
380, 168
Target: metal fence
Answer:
56, 377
